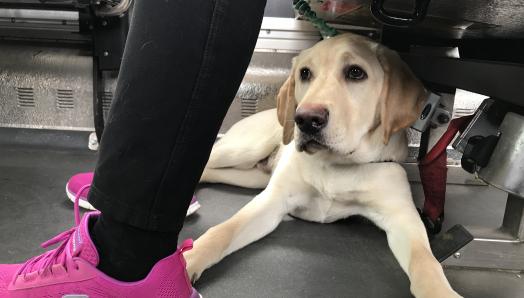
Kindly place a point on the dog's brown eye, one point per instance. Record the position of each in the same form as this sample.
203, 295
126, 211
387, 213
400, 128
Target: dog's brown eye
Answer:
305, 74
355, 73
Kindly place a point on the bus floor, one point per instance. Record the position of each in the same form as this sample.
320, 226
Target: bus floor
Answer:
349, 258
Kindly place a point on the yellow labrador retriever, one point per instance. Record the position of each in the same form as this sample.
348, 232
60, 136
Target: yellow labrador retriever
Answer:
341, 115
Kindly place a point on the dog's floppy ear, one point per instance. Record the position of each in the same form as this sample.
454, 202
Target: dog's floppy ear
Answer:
286, 106
402, 96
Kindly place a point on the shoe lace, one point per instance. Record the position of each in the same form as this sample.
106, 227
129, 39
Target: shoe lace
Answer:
59, 256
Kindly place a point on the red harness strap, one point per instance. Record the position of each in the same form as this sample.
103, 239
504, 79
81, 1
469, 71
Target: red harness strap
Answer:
433, 172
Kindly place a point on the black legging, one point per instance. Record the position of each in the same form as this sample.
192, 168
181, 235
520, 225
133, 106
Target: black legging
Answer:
182, 65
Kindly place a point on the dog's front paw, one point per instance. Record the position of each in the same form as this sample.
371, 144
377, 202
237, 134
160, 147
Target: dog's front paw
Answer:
440, 293
449, 294
434, 290
194, 264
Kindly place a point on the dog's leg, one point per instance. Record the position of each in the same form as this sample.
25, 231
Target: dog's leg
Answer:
409, 243
240, 154
285, 191
249, 141
250, 178
383, 194
255, 220
390, 205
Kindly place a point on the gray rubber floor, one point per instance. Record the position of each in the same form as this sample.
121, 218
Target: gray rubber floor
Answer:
349, 258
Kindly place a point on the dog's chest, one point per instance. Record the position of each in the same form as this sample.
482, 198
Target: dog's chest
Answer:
325, 210
335, 193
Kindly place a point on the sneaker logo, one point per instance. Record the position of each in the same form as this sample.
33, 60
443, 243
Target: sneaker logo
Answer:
77, 240
75, 296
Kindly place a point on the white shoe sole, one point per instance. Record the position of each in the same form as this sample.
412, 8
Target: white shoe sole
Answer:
193, 208
82, 203
85, 204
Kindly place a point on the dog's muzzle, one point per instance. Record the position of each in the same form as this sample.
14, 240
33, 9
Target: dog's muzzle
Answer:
311, 119
309, 144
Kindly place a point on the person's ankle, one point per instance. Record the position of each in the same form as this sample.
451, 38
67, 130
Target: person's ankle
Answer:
127, 253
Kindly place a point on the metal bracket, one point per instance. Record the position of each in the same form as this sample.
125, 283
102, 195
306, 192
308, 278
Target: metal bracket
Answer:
432, 114
500, 249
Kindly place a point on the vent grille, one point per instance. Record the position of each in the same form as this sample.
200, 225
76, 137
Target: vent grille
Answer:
248, 107
26, 97
459, 112
107, 97
65, 99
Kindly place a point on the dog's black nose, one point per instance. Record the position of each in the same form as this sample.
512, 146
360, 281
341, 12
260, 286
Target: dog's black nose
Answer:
311, 119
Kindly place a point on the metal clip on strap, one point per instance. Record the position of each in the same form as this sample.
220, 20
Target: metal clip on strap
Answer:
430, 106
433, 227
398, 19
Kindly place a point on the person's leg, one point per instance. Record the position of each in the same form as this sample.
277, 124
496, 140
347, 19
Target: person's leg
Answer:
183, 63
182, 66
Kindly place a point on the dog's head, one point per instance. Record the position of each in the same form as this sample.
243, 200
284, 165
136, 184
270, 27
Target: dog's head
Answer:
343, 89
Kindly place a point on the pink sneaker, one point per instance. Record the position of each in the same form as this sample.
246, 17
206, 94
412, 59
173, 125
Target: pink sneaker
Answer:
76, 182
70, 271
